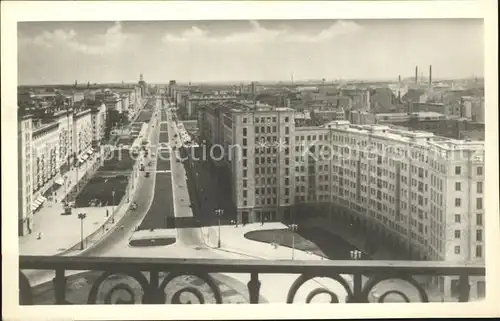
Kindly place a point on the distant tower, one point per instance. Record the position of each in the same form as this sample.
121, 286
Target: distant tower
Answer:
399, 78
430, 75
416, 74
76, 83
292, 78
141, 78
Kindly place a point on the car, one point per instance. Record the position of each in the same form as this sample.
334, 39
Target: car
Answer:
146, 174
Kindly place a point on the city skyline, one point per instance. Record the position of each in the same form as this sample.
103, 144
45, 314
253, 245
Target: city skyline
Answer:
216, 51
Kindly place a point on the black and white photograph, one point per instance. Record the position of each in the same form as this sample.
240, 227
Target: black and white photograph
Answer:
251, 161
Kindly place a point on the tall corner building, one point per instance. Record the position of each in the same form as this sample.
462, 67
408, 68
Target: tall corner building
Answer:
252, 137
414, 189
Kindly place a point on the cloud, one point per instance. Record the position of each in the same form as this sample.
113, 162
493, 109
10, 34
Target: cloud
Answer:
111, 41
259, 34
339, 28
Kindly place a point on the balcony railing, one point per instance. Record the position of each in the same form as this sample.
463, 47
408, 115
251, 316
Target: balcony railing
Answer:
154, 274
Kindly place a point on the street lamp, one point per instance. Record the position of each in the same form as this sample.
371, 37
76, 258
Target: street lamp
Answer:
293, 228
81, 217
219, 213
113, 216
355, 254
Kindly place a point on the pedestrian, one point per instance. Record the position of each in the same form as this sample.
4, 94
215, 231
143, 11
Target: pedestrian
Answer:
39, 235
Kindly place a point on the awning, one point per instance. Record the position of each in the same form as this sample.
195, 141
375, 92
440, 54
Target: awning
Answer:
59, 181
37, 203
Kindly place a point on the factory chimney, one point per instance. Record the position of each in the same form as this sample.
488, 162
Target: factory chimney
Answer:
430, 75
416, 74
399, 78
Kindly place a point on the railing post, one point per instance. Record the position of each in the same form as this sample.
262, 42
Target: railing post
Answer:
154, 296
357, 286
253, 288
464, 288
60, 286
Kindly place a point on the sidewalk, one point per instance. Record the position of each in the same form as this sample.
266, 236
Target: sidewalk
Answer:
234, 241
54, 226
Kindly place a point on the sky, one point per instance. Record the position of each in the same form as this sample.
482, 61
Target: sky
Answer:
266, 50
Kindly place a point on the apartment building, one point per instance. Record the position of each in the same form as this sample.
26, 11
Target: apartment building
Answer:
253, 138
25, 174
82, 129
45, 156
50, 143
98, 119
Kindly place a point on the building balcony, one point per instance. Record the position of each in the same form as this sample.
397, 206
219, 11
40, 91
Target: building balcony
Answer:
151, 277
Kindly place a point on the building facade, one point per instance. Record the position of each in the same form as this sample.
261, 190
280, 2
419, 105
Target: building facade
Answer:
25, 174
82, 133
98, 118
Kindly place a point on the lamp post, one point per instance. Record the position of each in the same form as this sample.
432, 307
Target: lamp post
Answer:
219, 213
355, 254
293, 228
81, 217
113, 216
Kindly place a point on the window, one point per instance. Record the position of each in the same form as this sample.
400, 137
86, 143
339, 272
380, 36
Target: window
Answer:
479, 203
479, 235
244, 173
256, 129
457, 218
244, 163
244, 193
244, 141
457, 249
244, 120
479, 219
244, 183
479, 187
458, 202
287, 130
479, 170
458, 186
479, 251
244, 131
457, 234
286, 119
458, 170
245, 153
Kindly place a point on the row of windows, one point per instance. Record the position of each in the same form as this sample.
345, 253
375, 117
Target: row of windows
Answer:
479, 187
479, 203
264, 119
479, 170
479, 235
479, 219
479, 250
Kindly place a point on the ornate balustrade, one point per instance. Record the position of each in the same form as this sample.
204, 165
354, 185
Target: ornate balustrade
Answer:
152, 275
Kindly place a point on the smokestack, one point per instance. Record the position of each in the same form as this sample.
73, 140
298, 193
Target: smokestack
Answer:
416, 74
399, 78
430, 75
